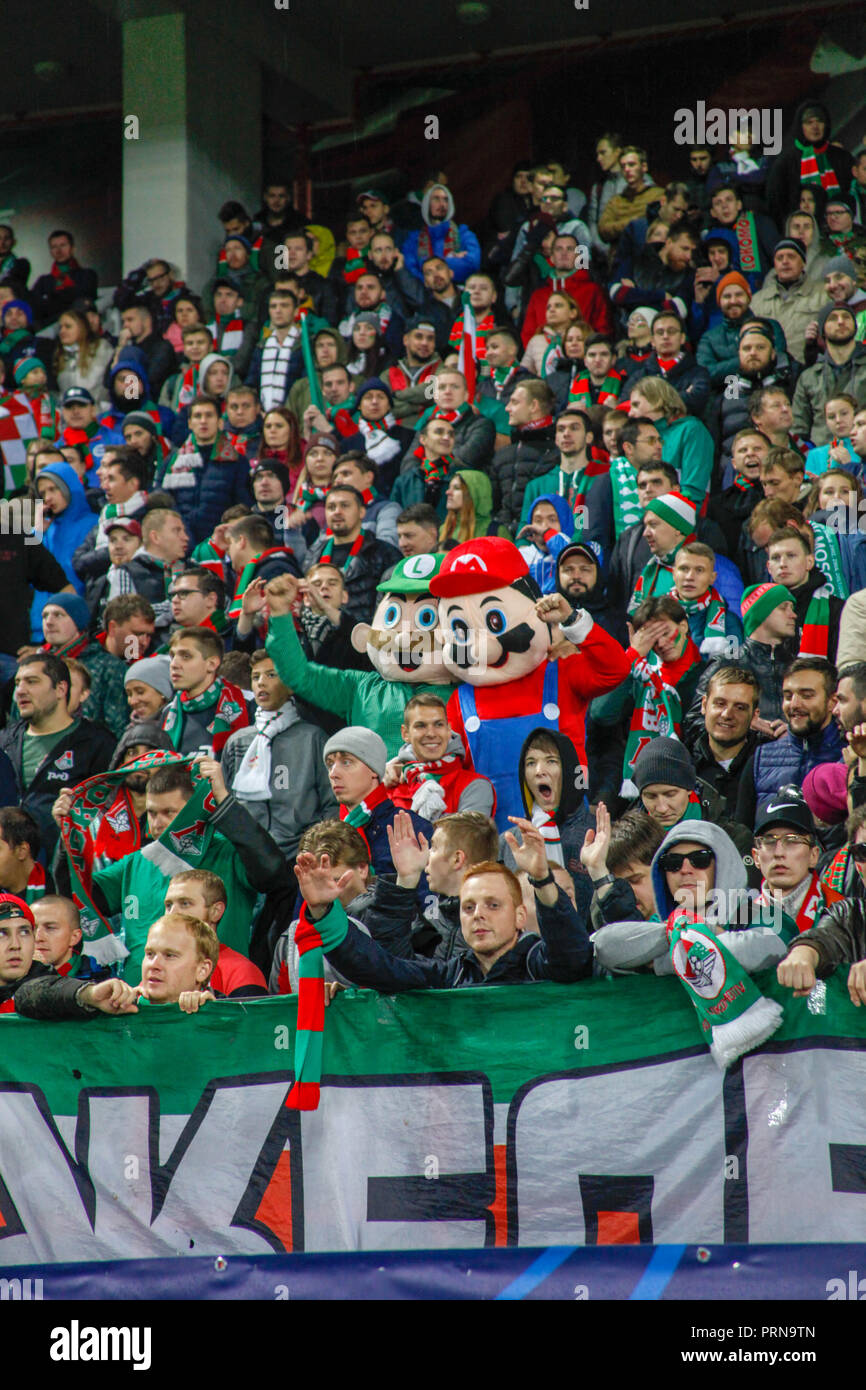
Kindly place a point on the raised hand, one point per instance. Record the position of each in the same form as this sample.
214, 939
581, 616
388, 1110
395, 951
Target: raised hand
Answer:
316, 880
797, 970
531, 856
596, 843
552, 608
409, 852
281, 593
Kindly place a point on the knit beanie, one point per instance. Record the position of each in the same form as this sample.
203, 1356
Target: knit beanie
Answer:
368, 747
24, 366
375, 384
143, 420
825, 789
279, 470
152, 671
676, 510
758, 603
23, 306
667, 761
74, 607
325, 441
841, 265
367, 316
733, 277
648, 315
832, 308
791, 243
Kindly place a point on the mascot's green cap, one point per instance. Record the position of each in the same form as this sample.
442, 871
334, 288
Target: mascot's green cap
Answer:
412, 575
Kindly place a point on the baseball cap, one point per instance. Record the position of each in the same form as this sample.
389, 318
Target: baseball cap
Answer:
77, 395
786, 807
412, 575
123, 523
11, 906
371, 193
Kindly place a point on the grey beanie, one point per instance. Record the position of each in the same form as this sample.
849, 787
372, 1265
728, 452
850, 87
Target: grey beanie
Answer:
361, 742
841, 265
832, 308
666, 761
153, 671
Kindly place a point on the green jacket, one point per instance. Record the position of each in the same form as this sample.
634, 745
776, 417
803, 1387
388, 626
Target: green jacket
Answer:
248, 863
688, 445
359, 697
106, 703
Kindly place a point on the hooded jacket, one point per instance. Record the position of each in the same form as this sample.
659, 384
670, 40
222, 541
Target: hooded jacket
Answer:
572, 818
627, 946
818, 384
461, 266
596, 601
542, 563
598, 522
145, 731
477, 484
783, 181
63, 537
133, 359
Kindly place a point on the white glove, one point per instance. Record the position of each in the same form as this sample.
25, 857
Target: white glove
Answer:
429, 800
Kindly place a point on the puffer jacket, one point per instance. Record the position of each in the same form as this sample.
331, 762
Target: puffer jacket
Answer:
461, 266
531, 453
783, 761
202, 495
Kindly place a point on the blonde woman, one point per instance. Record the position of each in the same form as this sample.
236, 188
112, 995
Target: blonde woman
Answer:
80, 358
545, 348
686, 443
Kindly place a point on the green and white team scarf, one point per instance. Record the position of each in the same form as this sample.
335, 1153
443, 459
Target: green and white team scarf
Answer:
734, 1015
828, 559
714, 610
627, 510
227, 702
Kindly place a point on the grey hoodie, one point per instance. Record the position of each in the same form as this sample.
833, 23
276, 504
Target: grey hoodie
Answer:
425, 204
624, 946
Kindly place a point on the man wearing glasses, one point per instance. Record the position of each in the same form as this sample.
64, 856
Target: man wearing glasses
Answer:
839, 935
787, 853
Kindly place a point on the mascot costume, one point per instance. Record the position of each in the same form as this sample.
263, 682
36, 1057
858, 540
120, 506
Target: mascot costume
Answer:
497, 645
403, 644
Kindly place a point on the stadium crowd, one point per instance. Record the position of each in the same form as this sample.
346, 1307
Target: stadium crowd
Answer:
247, 678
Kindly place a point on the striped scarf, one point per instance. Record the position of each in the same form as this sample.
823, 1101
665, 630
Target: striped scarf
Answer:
189, 384
355, 265
713, 607
326, 557
576, 487
815, 167
482, 328
71, 649
227, 332
312, 939
835, 872
309, 496
627, 510
227, 703
815, 637
656, 577
550, 834
36, 885
580, 392
657, 712
275, 361
360, 815
247, 574
450, 246
434, 470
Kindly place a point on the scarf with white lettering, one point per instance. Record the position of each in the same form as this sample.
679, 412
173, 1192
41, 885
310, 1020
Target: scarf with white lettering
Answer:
627, 510
229, 713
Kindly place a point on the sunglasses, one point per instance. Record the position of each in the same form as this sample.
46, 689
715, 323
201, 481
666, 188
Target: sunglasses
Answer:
858, 853
671, 863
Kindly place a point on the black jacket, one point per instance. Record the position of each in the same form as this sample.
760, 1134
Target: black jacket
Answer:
769, 665
84, 750
362, 573
783, 180
49, 302
562, 952
530, 453
49, 995
36, 972
838, 935
23, 568
688, 379
723, 781
393, 920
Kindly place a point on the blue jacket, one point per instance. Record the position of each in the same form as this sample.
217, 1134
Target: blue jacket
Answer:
562, 952
375, 832
543, 564
217, 485
63, 537
461, 266
790, 759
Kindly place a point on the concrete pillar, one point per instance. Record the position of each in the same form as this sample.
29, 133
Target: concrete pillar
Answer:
197, 103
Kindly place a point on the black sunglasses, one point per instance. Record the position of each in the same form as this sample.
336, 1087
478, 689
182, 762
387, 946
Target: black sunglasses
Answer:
671, 863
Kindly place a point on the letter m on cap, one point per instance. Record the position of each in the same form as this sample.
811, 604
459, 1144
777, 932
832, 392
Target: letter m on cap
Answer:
469, 562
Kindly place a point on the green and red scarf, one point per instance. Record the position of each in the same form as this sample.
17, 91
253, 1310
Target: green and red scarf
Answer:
450, 246
434, 470
627, 510
815, 166
227, 331
326, 557
36, 886
658, 708
355, 265
714, 610
828, 558
71, 649
312, 939
580, 392
734, 1015
656, 577
819, 896
188, 837
247, 574
576, 487
360, 815
227, 703
815, 637
482, 328
310, 496
748, 246
60, 274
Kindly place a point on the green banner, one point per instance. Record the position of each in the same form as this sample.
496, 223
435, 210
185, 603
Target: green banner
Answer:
520, 1115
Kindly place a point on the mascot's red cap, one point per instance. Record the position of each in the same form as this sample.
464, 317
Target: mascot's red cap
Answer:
476, 567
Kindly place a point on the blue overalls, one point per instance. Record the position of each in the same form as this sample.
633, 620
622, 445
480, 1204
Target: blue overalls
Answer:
495, 744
